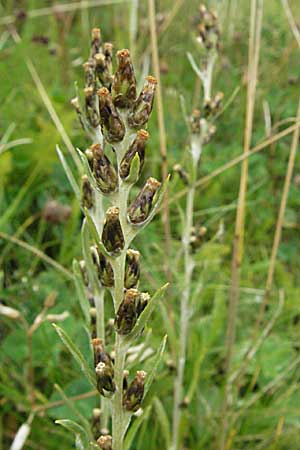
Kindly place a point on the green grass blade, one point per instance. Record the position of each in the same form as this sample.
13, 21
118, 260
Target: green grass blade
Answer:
163, 421
155, 364
81, 437
135, 427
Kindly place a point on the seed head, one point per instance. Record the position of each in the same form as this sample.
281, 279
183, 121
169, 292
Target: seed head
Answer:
182, 173
142, 205
213, 106
124, 82
112, 126
132, 270
105, 442
127, 313
103, 368
112, 234
87, 193
96, 41
91, 107
89, 74
105, 271
134, 395
137, 147
103, 62
208, 29
103, 170
142, 107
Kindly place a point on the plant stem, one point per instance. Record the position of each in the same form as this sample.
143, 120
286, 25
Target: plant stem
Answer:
184, 316
120, 353
118, 414
118, 264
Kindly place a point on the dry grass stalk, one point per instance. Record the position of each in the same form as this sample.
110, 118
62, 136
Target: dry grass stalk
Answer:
245, 155
280, 219
162, 132
253, 58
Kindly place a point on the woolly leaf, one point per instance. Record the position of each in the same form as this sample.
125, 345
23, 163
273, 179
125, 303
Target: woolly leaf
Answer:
69, 173
81, 291
76, 353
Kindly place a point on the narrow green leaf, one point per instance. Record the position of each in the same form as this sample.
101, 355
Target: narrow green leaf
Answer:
170, 329
76, 353
81, 292
79, 445
135, 427
94, 233
87, 170
90, 266
155, 364
163, 421
69, 173
85, 424
141, 322
81, 437
196, 374
134, 170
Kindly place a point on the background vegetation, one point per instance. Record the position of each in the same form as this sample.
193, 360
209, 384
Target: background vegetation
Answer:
38, 240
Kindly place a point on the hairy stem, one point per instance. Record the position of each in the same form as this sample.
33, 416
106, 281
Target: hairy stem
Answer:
120, 353
118, 264
184, 314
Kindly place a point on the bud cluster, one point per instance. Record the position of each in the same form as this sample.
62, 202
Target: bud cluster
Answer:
197, 237
104, 369
208, 33
132, 305
107, 94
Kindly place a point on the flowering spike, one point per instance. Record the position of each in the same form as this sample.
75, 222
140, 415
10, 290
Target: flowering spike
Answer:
134, 395
124, 82
142, 107
112, 126
208, 29
137, 147
142, 205
112, 234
